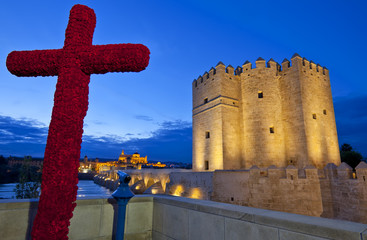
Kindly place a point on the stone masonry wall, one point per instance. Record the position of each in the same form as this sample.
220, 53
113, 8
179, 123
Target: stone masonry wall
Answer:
216, 111
192, 185
332, 192
279, 189
261, 146
266, 115
344, 196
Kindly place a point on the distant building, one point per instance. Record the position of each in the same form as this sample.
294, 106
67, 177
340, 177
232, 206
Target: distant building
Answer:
37, 162
132, 159
88, 165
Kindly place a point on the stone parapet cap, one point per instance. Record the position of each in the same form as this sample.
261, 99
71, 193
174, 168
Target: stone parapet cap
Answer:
362, 165
344, 167
315, 226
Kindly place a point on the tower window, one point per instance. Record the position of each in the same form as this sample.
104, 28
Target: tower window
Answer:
206, 165
314, 116
205, 100
207, 134
260, 94
196, 84
324, 111
271, 129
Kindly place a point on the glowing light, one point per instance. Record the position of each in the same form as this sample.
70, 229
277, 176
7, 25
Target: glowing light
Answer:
196, 193
178, 191
137, 187
154, 191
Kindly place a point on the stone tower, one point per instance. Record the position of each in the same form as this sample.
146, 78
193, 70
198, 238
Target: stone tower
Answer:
267, 115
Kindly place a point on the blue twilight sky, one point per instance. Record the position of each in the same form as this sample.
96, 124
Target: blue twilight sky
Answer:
150, 111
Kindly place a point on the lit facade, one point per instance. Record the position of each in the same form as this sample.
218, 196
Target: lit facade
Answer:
268, 115
132, 158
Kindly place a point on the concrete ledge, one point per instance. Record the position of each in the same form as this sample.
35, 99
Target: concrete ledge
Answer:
223, 209
321, 227
93, 218
168, 217
364, 235
17, 203
235, 221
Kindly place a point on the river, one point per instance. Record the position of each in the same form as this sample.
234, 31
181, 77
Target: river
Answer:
86, 188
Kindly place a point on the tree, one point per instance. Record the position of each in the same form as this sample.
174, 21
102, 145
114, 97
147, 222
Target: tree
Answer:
29, 180
3, 169
346, 147
347, 155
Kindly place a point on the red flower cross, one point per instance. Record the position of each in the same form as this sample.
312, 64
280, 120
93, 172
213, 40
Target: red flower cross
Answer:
73, 65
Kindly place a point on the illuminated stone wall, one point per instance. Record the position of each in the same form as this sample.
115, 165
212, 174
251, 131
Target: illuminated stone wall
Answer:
272, 188
260, 113
319, 138
198, 185
267, 115
216, 110
332, 192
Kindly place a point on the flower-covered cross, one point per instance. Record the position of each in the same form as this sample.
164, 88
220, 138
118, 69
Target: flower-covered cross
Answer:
73, 64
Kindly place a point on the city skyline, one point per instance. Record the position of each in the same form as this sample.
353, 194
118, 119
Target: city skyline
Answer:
150, 111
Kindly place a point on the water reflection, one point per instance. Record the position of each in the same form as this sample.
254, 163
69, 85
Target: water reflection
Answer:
86, 188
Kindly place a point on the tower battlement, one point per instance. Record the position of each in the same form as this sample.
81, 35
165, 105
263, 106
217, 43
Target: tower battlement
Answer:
247, 67
264, 114
307, 66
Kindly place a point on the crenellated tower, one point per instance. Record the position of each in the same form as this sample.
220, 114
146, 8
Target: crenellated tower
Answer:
216, 111
267, 115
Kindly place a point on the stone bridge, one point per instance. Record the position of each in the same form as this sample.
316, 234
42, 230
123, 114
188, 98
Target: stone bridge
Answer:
151, 181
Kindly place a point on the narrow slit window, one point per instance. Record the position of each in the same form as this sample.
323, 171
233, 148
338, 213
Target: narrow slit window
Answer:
206, 165
196, 84
314, 116
260, 94
205, 100
324, 112
271, 129
207, 134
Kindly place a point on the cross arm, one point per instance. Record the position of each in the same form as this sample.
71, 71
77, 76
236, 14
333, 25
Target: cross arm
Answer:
34, 63
100, 59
